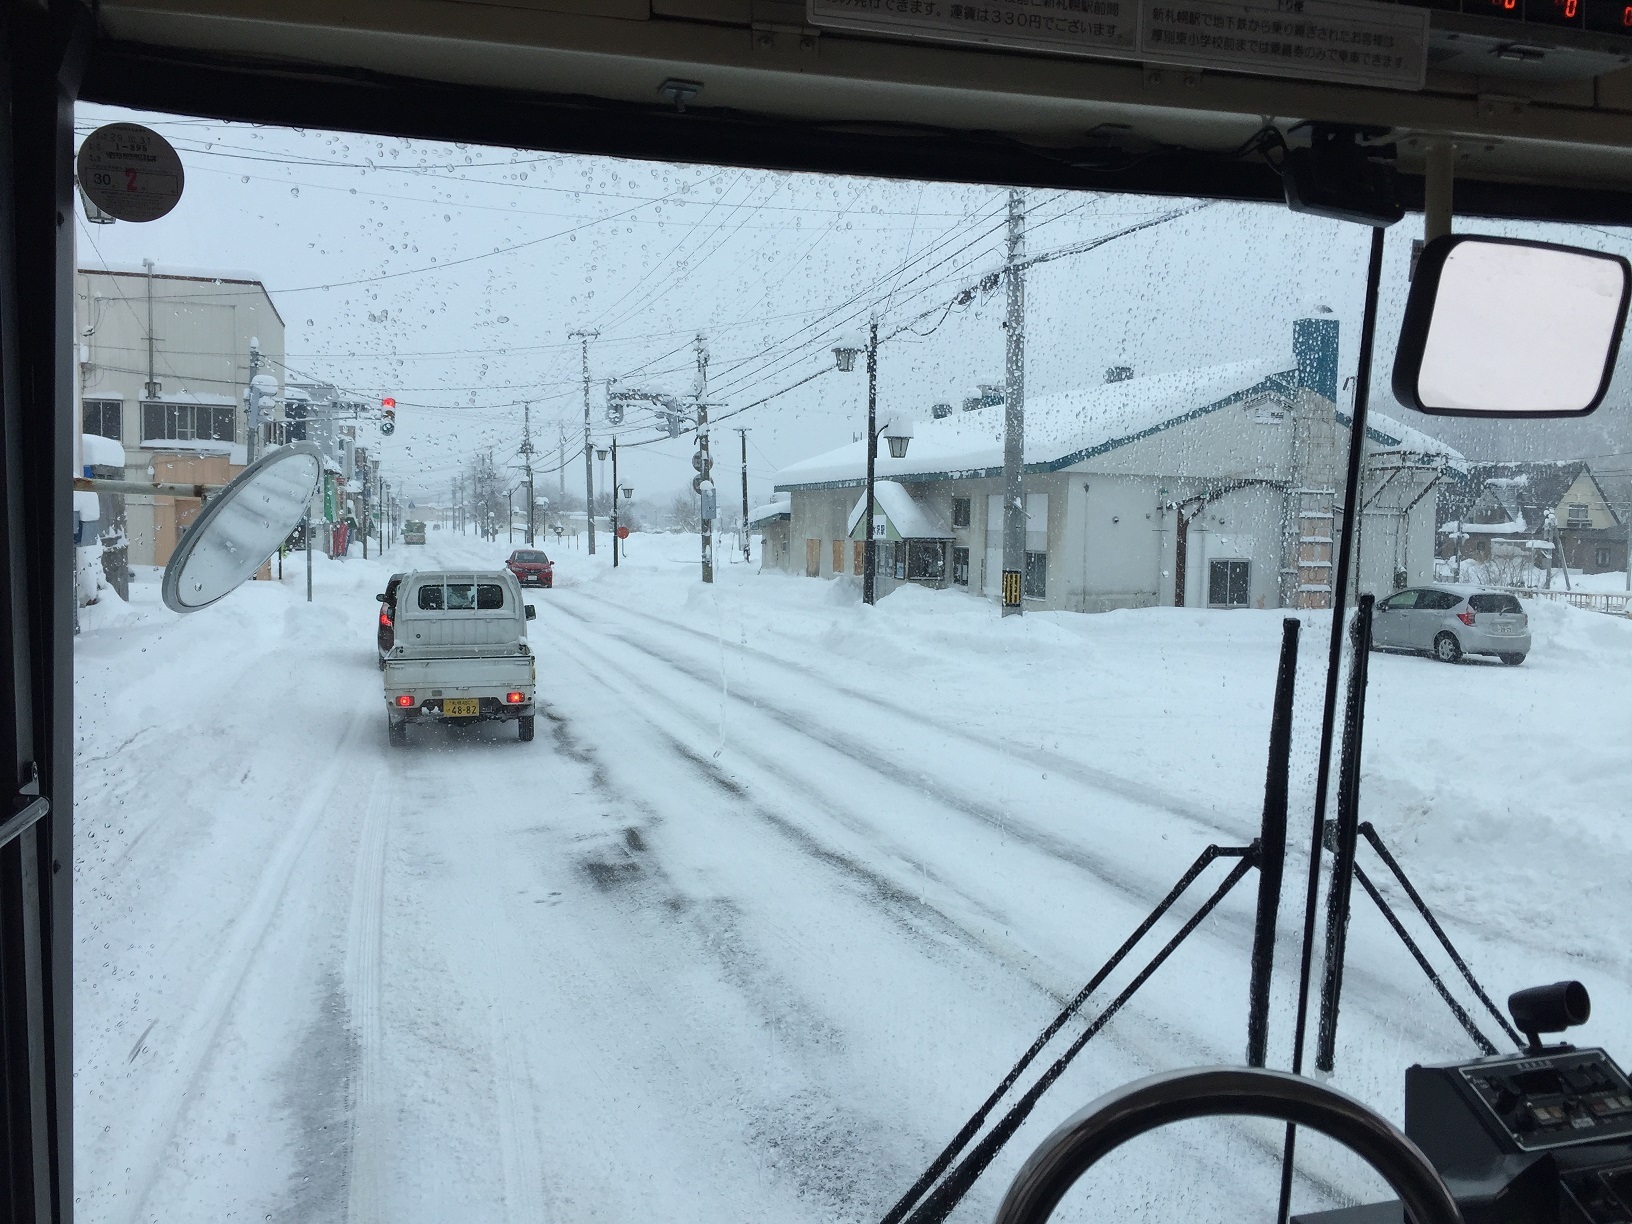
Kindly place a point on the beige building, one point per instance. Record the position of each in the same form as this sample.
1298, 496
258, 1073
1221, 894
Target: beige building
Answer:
164, 361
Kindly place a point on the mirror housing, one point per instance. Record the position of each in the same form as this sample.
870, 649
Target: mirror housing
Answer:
380, 598
241, 526
532, 612
1503, 327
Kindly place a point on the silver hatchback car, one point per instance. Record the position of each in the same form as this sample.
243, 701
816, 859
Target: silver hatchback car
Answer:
1451, 621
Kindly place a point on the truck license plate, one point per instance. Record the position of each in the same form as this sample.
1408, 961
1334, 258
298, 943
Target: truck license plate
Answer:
461, 707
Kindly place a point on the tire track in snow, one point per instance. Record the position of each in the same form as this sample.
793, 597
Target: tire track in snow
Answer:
1373, 994
194, 1039
524, 1199
1149, 1046
362, 986
1098, 779
1141, 893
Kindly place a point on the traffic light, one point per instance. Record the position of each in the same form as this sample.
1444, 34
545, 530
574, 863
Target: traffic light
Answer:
704, 465
388, 416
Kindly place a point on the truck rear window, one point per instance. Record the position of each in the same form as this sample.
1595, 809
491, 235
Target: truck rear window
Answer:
461, 596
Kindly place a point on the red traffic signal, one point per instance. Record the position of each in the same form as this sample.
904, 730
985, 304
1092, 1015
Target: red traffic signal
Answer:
388, 402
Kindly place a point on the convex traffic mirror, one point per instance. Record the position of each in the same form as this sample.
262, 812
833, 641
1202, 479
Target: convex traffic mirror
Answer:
1499, 327
241, 526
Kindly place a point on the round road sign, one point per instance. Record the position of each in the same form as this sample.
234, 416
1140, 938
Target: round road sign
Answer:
130, 172
623, 533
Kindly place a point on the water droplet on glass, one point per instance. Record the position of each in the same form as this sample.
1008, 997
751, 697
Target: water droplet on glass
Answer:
294, 191
245, 179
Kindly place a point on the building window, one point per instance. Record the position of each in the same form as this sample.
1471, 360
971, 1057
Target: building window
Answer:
1035, 583
858, 557
188, 422
1578, 516
813, 558
105, 418
960, 566
960, 512
900, 567
838, 556
926, 560
1601, 557
1228, 583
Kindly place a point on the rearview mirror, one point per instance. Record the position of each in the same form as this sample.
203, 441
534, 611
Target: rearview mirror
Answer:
380, 598
1500, 327
241, 526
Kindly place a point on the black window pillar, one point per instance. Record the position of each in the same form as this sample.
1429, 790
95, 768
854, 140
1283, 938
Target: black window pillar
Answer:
42, 46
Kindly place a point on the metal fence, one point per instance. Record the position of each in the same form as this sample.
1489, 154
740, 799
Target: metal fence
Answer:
1616, 604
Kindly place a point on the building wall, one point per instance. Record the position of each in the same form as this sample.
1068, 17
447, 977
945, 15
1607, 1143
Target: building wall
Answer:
1113, 518
202, 328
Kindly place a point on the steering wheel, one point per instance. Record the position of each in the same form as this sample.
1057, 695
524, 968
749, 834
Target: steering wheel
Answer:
1176, 1096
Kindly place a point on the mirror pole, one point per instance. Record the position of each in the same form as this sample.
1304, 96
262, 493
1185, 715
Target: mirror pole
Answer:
1438, 175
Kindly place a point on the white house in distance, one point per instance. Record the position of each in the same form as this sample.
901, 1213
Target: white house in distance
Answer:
1215, 487
164, 368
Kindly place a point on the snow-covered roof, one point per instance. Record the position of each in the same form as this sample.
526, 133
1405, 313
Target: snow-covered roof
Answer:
1061, 429
97, 451
1386, 431
780, 507
911, 520
176, 271
87, 506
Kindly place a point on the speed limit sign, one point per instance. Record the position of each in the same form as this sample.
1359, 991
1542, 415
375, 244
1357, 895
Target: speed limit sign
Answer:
130, 172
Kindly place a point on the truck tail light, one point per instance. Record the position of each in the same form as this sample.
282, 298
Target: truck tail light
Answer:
405, 701
515, 698
1466, 617
385, 618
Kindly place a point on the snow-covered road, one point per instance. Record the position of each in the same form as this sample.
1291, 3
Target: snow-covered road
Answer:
785, 888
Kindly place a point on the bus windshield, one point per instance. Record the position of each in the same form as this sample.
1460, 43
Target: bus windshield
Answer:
923, 558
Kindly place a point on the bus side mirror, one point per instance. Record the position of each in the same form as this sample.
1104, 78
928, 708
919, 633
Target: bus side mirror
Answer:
1500, 327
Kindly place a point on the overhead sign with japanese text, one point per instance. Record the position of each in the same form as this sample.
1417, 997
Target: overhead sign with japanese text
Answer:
1083, 27
1349, 41
1360, 42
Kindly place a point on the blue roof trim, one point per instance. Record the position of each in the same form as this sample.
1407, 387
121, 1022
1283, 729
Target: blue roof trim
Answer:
1282, 385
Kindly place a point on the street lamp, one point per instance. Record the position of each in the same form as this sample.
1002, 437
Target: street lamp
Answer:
898, 436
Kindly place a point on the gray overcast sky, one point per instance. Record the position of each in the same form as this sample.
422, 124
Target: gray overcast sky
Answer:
450, 276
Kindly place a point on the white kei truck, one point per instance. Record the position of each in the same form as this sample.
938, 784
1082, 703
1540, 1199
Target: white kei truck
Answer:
460, 653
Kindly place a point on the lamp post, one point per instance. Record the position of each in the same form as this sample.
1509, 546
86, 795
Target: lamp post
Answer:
628, 492
600, 454
615, 548
845, 356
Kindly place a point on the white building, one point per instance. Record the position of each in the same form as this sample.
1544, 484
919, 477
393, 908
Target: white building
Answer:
1215, 487
164, 366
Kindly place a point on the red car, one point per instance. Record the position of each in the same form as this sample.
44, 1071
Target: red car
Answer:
531, 568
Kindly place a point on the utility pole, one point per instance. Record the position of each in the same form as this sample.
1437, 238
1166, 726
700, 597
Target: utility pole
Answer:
747, 554
151, 388
703, 482
252, 431
308, 535
527, 458
589, 465
1014, 412
614, 501
869, 548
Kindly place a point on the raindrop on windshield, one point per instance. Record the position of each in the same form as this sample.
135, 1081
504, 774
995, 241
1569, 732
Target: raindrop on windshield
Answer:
294, 191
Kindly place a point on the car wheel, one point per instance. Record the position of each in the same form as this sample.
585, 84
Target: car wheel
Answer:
397, 733
1447, 649
524, 728
1512, 660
